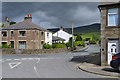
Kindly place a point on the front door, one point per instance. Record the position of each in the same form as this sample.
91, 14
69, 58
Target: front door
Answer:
12, 44
112, 49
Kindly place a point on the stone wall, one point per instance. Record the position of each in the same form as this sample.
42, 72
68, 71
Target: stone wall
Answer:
33, 51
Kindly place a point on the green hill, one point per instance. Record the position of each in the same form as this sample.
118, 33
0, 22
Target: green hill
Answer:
93, 28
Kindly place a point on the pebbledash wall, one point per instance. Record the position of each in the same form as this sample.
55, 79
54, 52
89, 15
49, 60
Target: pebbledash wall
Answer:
33, 51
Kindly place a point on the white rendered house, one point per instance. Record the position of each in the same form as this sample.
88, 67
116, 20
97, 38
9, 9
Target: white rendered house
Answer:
62, 34
48, 37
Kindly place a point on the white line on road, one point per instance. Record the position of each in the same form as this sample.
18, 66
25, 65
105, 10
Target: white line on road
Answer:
14, 64
16, 59
23, 58
36, 72
38, 60
8, 59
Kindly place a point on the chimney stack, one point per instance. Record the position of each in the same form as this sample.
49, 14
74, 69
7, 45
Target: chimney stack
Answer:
7, 23
61, 28
28, 18
30, 15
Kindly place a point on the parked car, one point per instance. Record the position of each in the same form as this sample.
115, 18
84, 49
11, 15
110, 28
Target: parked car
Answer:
115, 63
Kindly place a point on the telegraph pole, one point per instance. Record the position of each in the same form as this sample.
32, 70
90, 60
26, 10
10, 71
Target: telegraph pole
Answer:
72, 37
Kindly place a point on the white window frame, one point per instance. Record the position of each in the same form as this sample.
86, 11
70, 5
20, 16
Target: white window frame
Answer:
112, 14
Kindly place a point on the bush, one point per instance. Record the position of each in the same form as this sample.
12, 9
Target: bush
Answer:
47, 46
79, 38
6, 46
92, 42
58, 45
80, 43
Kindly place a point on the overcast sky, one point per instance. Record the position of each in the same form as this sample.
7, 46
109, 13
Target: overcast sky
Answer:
52, 14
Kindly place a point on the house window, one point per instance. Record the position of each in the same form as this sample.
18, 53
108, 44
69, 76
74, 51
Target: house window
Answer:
11, 33
4, 43
4, 33
22, 33
113, 17
22, 44
47, 34
42, 33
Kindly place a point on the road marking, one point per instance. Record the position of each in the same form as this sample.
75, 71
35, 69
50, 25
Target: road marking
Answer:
36, 71
8, 59
16, 59
30, 58
14, 64
23, 58
38, 60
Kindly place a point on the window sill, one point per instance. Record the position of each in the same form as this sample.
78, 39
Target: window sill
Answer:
112, 27
21, 36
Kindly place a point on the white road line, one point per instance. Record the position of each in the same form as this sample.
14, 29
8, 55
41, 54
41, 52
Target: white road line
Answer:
8, 59
16, 59
38, 60
23, 58
14, 64
30, 58
36, 72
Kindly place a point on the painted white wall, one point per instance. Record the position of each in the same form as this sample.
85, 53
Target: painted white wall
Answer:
48, 38
63, 34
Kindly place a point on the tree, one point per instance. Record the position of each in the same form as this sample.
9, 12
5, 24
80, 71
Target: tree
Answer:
12, 22
79, 38
3, 25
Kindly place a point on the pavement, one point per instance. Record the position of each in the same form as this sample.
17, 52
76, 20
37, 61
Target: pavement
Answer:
99, 70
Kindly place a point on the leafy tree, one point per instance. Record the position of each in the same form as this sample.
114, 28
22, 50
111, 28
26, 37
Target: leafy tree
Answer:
12, 22
79, 38
3, 25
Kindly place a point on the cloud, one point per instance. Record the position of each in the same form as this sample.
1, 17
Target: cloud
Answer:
53, 14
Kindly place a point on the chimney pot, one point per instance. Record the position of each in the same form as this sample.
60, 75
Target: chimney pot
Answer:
61, 28
30, 15
6, 18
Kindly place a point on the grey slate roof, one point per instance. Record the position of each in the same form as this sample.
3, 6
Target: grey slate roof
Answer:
55, 38
24, 25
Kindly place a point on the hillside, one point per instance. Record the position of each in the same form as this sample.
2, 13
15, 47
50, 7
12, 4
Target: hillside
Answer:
81, 29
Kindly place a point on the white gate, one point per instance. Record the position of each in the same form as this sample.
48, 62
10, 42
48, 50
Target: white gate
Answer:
112, 49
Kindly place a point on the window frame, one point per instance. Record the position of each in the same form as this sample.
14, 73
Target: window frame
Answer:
20, 31
113, 14
4, 31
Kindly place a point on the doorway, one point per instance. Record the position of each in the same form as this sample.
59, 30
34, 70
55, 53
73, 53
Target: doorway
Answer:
112, 49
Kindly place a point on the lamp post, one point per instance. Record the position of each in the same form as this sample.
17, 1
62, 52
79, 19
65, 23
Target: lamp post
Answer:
72, 37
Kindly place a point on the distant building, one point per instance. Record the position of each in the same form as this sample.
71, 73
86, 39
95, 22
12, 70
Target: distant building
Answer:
25, 35
110, 30
56, 39
62, 34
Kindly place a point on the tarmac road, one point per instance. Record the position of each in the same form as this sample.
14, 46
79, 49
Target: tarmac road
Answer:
46, 65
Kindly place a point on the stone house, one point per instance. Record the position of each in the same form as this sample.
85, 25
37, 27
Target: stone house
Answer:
25, 34
63, 35
110, 30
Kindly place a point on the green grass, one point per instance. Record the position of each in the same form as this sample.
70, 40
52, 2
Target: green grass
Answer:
89, 35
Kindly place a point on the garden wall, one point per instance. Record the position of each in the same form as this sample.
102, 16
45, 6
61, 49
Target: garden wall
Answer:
33, 51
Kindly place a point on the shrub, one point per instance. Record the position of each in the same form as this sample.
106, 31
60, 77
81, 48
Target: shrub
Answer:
6, 46
79, 38
92, 42
58, 45
47, 46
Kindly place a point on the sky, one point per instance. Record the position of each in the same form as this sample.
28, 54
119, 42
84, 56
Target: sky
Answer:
53, 14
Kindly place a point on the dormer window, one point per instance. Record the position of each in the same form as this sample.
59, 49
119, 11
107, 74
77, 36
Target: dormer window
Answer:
22, 33
113, 17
